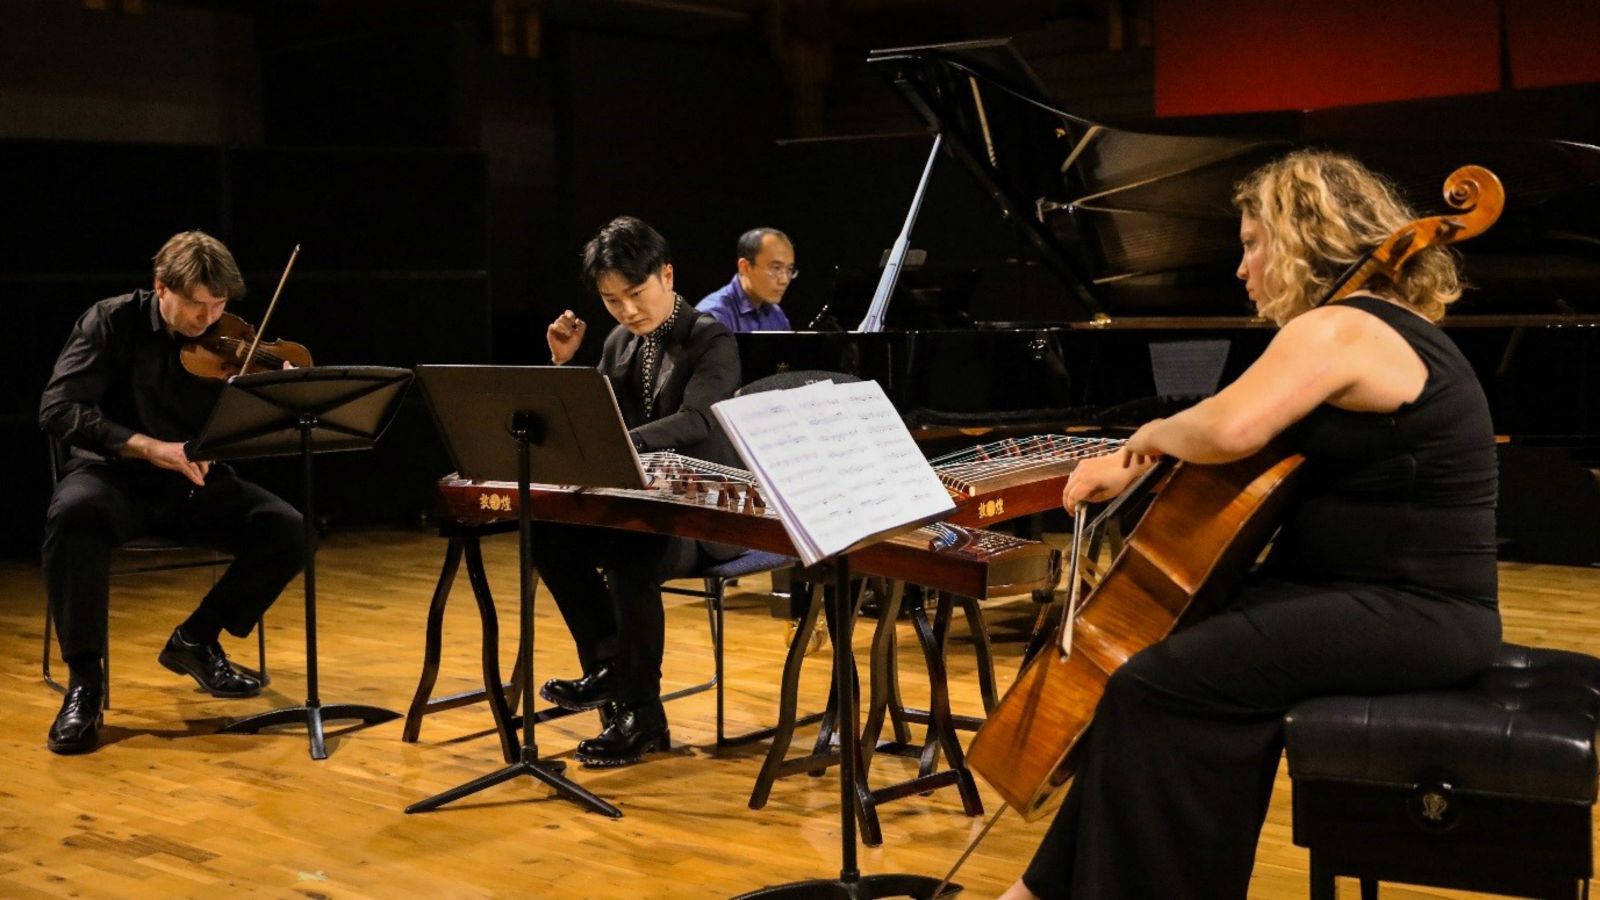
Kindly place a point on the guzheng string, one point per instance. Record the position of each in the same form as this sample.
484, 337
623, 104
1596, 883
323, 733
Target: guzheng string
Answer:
969, 468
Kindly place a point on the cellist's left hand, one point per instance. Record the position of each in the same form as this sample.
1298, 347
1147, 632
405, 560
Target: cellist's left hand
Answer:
1096, 479
1140, 451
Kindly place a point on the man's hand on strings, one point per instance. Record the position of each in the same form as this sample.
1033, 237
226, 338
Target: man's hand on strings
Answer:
564, 335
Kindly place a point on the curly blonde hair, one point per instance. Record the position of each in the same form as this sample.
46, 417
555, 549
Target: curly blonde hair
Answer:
1319, 212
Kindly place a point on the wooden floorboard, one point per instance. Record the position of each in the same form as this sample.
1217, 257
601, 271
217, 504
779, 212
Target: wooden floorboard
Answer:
167, 808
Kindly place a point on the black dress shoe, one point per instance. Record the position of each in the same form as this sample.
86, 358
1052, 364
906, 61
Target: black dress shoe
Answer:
627, 739
208, 666
592, 691
77, 725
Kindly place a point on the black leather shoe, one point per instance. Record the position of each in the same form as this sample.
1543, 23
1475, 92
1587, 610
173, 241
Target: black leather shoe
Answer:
208, 666
626, 740
592, 691
77, 725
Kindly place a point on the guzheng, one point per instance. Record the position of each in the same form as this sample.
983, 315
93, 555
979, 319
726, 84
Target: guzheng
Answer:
695, 499
1005, 479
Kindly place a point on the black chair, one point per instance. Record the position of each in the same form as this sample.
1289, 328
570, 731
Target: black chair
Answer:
717, 578
1485, 788
142, 556
782, 381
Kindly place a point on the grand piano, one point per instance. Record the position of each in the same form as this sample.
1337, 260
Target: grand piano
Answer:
1142, 314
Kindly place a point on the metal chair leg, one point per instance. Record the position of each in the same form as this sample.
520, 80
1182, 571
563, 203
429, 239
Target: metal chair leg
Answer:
44, 665
714, 600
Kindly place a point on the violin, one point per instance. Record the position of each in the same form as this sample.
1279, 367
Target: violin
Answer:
1193, 545
224, 350
232, 346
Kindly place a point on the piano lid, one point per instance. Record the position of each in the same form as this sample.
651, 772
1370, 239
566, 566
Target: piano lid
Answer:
1141, 223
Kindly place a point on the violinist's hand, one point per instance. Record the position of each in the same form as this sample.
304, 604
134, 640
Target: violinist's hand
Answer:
1098, 478
167, 455
564, 335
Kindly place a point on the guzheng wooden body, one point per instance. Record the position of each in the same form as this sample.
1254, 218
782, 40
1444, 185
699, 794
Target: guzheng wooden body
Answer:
695, 499
1004, 480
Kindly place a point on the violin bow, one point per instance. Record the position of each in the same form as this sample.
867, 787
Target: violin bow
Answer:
245, 366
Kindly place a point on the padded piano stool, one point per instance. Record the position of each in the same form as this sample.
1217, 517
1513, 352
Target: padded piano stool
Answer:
1485, 788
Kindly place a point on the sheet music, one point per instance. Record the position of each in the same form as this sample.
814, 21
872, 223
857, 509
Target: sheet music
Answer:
835, 461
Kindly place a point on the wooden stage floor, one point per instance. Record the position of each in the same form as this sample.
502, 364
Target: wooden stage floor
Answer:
167, 808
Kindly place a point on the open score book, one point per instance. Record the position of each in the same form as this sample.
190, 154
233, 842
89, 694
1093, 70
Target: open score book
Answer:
836, 462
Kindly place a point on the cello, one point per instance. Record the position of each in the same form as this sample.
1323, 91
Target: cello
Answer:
1198, 538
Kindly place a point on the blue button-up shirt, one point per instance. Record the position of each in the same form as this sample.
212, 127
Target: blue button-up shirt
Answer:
733, 307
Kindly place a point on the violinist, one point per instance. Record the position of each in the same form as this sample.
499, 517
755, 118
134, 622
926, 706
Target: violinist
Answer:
1382, 578
122, 406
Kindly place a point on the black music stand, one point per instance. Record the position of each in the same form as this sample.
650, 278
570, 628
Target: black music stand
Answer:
851, 884
303, 411
492, 418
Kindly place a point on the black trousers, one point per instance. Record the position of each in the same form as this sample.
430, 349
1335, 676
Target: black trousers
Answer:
98, 507
1179, 763
607, 584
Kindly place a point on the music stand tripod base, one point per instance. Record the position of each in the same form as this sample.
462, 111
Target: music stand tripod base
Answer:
312, 716
867, 887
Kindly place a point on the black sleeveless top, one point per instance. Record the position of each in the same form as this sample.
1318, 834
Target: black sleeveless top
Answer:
1404, 498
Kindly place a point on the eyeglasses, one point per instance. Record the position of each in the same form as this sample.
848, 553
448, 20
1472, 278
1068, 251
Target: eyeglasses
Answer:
778, 270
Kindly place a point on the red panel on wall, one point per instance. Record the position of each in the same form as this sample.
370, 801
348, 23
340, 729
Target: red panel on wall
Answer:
1553, 41
1250, 55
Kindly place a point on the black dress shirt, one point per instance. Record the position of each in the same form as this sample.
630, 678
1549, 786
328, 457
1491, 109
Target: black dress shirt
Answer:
119, 375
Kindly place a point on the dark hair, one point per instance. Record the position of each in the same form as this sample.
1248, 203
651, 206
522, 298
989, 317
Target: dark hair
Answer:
194, 257
750, 241
626, 246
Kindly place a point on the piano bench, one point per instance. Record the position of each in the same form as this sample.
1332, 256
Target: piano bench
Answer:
1484, 788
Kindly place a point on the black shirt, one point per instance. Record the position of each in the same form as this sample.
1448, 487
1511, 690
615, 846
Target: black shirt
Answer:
1404, 498
119, 375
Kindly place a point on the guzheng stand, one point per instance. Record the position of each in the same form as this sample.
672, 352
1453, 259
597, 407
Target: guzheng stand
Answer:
306, 411
572, 417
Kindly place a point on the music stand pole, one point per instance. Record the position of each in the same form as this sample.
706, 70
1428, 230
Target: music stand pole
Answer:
313, 712
851, 884
527, 430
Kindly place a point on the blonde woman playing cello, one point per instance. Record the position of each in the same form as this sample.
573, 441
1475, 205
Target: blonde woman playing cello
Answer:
1381, 580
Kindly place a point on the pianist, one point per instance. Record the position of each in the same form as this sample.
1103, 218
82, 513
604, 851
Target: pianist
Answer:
750, 301
667, 364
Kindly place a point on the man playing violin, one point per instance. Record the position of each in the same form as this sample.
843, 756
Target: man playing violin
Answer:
120, 406
1382, 578
667, 364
